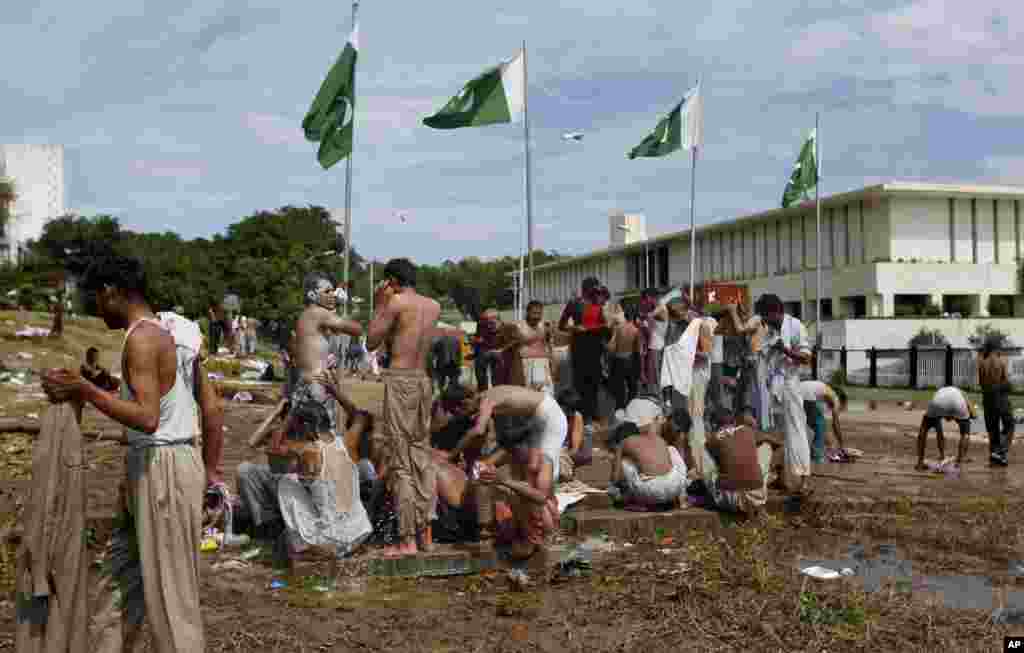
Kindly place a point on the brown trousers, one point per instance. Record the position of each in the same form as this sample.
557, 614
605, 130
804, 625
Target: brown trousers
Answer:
412, 473
152, 566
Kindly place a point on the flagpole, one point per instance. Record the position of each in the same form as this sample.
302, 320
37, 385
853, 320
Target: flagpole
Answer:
372, 293
693, 198
348, 179
817, 205
529, 184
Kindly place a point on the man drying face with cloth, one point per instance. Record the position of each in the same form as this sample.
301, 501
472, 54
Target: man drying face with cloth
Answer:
404, 321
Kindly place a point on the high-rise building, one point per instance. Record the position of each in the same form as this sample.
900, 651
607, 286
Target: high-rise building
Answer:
38, 175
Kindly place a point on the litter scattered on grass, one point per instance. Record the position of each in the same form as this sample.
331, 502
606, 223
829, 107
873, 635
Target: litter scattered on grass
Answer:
820, 572
242, 396
32, 332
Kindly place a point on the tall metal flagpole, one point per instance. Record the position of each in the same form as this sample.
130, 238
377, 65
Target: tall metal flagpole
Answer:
529, 184
348, 183
372, 293
817, 205
697, 117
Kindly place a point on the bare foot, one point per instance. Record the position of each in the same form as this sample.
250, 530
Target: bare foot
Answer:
425, 539
400, 550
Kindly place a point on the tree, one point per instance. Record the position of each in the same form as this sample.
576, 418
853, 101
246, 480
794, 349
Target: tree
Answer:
928, 338
986, 333
7, 197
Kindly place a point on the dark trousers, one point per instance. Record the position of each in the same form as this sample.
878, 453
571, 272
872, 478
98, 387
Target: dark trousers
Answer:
999, 423
587, 374
487, 361
624, 376
216, 335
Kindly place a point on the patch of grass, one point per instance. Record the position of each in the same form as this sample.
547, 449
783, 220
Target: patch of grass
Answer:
814, 611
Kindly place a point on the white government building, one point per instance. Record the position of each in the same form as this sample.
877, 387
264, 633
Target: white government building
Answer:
887, 250
38, 175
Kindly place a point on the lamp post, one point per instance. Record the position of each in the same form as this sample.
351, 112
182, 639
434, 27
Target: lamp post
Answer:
647, 259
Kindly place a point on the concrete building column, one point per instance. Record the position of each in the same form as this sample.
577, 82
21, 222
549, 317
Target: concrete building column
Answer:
838, 308
982, 307
888, 305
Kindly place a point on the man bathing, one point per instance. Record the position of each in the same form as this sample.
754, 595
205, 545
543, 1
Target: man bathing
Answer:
948, 404
815, 394
404, 321
647, 472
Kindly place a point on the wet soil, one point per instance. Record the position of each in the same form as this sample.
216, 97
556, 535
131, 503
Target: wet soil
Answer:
732, 588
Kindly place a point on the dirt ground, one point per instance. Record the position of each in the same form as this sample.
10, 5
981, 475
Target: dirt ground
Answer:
734, 588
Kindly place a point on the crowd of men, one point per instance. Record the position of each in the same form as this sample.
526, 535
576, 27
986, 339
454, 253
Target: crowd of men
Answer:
707, 407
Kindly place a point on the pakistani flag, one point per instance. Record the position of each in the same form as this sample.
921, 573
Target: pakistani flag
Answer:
805, 174
681, 128
329, 120
496, 96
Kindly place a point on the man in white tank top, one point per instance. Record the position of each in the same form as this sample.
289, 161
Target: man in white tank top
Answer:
155, 550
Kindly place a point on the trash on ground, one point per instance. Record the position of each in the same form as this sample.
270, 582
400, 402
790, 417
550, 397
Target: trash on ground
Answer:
820, 572
251, 554
233, 563
1008, 616
242, 396
278, 584
24, 355
518, 580
32, 332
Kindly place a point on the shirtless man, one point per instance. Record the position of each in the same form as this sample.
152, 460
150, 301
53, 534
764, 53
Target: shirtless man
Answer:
312, 406
532, 360
404, 320
624, 347
647, 472
531, 428
310, 397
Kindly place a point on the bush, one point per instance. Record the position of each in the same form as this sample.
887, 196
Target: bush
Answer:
928, 338
932, 310
837, 379
987, 332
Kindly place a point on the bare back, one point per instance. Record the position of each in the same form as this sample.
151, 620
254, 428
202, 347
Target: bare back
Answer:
626, 338
410, 338
514, 400
649, 453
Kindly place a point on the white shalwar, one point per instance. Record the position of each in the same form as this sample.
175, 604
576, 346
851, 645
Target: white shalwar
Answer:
784, 386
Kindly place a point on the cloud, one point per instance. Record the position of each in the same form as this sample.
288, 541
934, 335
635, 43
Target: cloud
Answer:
273, 129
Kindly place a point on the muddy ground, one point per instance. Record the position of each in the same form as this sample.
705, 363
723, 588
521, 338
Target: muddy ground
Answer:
736, 587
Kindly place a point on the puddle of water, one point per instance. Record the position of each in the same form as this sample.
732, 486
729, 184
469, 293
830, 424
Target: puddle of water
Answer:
960, 591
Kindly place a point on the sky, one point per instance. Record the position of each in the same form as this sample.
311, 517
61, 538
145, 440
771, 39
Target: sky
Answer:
185, 116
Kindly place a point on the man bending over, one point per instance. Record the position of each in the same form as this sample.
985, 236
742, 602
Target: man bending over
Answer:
948, 404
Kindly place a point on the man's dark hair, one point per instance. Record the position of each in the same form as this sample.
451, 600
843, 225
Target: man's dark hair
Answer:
535, 303
569, 400
621, 432
92, 354
590, 284
651, 293
770, 303
401, 270
122, 272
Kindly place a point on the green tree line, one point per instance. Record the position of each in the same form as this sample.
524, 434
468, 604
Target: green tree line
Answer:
262, 259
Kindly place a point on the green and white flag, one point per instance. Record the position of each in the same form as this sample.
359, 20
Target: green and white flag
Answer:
331, 116
805, 173
496, 96
682, 128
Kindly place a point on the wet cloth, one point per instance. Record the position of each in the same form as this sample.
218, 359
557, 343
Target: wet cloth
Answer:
412, 472
327, 510
151, 567
257, 493
312, 410
655, 490
50, 563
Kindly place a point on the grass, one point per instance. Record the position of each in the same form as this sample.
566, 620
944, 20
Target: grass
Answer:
860, 393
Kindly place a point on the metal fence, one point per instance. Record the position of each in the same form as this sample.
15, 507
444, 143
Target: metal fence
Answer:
918, 367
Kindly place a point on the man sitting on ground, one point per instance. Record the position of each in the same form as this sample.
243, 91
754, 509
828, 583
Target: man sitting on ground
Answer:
647, 474
816, 393
742, 456
949, 404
